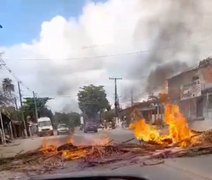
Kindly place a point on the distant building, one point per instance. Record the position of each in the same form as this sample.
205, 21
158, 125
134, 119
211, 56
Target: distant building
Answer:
192, 91
151, 110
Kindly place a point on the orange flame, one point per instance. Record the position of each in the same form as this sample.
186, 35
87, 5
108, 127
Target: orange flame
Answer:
75, 154
178, 125
48, 149
70, 140
179, 131
144, 131
70, 151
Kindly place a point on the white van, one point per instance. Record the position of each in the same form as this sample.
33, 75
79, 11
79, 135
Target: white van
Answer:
45, 126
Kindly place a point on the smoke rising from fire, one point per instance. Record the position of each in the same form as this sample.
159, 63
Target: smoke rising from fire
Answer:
172, 49
158, 76
168, 35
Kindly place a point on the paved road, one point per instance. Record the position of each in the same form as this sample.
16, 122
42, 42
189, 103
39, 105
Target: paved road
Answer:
197, 168
79, 138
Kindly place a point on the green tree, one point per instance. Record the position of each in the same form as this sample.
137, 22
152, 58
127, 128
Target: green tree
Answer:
45, 112
7, 98
109, 115
92, 99
70, 119
29, 107
8, 86
4, 100
74, 119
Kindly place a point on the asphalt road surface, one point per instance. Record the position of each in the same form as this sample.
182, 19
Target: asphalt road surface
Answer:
197, 168
79, 138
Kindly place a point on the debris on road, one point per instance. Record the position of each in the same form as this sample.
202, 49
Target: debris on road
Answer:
153, 148
152, 162
50, 157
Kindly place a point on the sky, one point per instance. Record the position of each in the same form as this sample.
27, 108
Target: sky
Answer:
55, 47
22, 18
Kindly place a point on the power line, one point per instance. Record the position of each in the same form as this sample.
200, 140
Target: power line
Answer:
90, 57
98, 56
3, 63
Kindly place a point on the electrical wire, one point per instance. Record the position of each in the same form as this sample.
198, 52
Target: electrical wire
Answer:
89, 57
3, 63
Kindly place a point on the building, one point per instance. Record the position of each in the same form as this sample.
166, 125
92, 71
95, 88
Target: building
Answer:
151, 110
192, 91
13, 128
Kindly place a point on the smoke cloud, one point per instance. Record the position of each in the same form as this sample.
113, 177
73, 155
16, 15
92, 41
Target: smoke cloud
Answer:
173, 34
157, 77
70, 52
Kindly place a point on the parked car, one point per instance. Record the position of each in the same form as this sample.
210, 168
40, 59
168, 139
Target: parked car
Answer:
62, 129
90, 126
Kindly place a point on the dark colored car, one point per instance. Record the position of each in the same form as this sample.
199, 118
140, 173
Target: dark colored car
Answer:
90, 126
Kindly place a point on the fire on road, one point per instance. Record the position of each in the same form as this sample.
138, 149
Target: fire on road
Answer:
181, 141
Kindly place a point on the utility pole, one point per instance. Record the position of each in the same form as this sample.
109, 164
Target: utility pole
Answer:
2, 63
1, 119
16, 105
132, 99
3, 138
116, 100
19, 92
21, 104
36, 108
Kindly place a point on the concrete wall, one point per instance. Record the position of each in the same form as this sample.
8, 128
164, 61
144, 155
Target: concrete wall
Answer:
206, 73
175, 83
189, 108
207, 111
195, 107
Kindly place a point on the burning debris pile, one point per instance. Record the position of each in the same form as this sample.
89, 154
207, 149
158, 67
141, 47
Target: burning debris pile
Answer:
180, 141
178, 128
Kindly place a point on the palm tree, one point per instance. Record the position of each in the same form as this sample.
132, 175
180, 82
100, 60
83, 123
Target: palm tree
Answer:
8, 86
